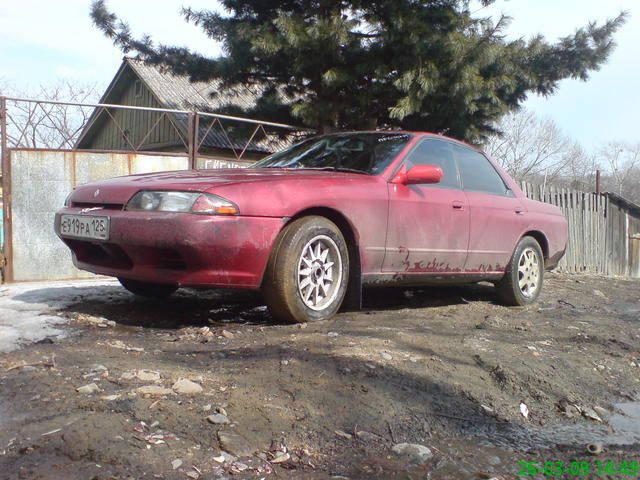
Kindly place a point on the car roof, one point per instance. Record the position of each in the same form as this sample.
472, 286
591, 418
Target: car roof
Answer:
409, 132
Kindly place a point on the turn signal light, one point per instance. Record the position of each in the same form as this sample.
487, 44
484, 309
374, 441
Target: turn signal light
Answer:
213, 205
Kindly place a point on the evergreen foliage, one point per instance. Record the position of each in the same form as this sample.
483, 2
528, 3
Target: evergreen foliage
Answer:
336, 64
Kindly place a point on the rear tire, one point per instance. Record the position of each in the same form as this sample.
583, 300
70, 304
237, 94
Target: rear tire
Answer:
146, 289
522, 282
307, 275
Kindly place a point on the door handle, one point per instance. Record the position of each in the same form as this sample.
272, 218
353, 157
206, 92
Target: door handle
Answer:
519, 210
457, 205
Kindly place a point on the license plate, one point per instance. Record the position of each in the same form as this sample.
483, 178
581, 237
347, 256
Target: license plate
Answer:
85, 226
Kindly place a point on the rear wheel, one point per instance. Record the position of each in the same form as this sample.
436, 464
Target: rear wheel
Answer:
308, 272
147, 289
522, 282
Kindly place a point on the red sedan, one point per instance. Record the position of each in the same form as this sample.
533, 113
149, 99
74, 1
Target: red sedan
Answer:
313, 224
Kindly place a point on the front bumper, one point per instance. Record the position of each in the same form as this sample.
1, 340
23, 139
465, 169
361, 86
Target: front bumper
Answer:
178, 248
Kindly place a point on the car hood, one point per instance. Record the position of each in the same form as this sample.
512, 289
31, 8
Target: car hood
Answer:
120, 189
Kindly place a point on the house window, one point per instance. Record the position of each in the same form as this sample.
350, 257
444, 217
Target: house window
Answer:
138, 88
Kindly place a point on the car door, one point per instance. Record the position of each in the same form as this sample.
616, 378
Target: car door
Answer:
497, 217
428, 227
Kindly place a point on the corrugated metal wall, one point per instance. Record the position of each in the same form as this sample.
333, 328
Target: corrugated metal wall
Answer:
40, 182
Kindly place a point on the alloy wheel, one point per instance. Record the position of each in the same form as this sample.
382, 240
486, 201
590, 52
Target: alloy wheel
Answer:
529, 272
319, 272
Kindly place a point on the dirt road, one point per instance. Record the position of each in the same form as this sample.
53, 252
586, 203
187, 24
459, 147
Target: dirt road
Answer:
445, 369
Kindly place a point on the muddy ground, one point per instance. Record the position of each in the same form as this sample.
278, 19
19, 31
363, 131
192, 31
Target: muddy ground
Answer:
446, 368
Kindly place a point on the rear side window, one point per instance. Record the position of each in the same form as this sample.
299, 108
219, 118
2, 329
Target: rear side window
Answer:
436, 152
477, 173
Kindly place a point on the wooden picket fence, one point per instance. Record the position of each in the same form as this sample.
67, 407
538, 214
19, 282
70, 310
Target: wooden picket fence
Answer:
586, 214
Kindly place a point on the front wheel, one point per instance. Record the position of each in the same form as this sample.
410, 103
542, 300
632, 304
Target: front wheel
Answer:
308, 272
146, 289
522, 282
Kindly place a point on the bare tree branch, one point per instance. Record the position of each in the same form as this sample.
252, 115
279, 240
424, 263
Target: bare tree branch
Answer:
529, 147
43, 125
624, 161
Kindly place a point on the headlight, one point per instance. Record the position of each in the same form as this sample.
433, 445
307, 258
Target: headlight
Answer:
200, 203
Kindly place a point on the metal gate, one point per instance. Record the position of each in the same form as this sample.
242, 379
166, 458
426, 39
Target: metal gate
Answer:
36, 180
40, 182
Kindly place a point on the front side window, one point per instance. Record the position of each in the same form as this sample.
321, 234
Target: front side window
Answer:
436, 152
368, 153
477, 173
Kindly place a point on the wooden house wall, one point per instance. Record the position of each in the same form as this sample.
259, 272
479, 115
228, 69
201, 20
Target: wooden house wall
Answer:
136, 124
634, 244
624, 239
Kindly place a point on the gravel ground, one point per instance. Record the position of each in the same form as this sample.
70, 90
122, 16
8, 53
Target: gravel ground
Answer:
423, 383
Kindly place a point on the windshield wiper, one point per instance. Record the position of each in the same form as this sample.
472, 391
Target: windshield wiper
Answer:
335, 169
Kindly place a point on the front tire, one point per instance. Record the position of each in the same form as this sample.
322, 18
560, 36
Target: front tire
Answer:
308, 272
522, 282
146, 289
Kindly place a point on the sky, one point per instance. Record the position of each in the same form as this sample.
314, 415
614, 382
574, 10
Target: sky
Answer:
42, 41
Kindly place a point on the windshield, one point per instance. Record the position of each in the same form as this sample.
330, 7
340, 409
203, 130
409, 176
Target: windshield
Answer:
367, 153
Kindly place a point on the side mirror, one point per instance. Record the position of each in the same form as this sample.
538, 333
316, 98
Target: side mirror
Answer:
418, 174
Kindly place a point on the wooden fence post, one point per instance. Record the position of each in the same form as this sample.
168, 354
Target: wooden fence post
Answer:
7, 221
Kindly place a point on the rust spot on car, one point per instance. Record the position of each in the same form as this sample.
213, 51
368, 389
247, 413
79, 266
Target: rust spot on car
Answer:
482, 268
433, 266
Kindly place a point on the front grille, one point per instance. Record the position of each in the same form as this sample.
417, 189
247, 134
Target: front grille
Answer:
104, 206
101, 254
156, 257
114, 256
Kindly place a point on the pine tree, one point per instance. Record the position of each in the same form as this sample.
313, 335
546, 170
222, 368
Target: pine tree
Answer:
337, 64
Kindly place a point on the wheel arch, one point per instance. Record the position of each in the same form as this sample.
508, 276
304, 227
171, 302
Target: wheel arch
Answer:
353, 296
342, 222
542, 240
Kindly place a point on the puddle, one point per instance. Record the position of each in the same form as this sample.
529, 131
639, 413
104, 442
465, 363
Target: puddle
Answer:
242, 313
10, 418
630, 309
622, 428
627, 422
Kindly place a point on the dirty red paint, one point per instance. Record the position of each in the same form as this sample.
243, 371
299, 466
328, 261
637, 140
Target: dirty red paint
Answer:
401, 231
434, 266
482, 268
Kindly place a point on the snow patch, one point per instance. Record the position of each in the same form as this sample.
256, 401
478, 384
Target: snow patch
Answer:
28, 310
